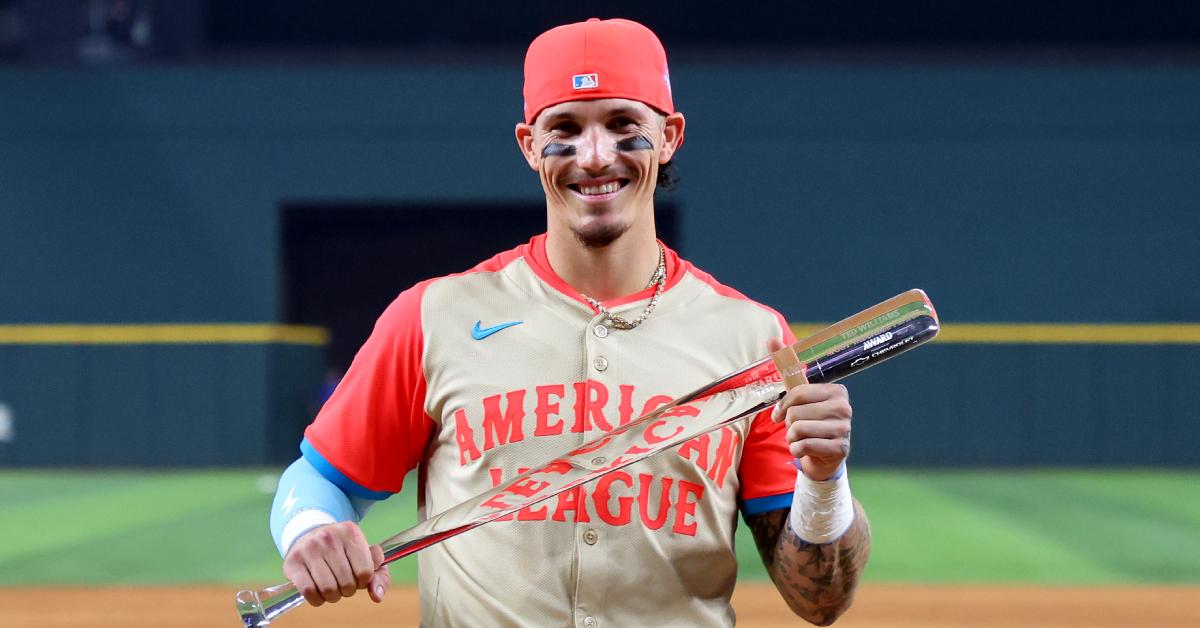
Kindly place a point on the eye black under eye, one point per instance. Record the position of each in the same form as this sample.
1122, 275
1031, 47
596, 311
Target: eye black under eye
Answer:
636, 142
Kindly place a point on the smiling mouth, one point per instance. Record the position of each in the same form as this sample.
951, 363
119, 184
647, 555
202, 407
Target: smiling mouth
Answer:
602, 189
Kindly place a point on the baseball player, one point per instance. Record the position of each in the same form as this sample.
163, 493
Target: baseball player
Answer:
475, 377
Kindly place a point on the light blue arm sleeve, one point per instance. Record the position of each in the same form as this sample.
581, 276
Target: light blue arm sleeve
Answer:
305, 499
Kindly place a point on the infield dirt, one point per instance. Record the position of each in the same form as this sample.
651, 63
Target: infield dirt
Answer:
757, 604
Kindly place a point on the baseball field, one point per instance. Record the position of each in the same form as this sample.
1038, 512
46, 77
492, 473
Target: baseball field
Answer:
951, 548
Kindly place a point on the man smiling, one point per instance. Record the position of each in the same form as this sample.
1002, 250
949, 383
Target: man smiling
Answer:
477, 376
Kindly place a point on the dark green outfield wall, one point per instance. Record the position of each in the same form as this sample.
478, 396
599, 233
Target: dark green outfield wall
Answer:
156, 405
1010, 192
1005, 405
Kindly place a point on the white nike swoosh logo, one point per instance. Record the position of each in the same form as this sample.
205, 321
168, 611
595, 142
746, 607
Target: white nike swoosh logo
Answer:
290, 500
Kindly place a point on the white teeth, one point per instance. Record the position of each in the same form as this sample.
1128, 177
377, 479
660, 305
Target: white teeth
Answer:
594, 190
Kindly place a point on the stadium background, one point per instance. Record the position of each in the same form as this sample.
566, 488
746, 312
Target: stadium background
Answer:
204, 204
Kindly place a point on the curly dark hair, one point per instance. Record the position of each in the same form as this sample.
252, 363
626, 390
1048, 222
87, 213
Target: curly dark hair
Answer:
667, 176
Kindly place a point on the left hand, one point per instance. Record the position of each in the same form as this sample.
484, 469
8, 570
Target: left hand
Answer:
818, 425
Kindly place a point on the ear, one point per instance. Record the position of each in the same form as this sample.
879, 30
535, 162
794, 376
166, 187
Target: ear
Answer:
524, 135
672, 137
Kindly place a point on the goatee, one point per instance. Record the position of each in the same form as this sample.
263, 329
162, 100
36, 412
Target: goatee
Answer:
599, 236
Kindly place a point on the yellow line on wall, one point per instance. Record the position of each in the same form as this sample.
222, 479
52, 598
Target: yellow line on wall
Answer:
1055, 333
215, 333
233, 333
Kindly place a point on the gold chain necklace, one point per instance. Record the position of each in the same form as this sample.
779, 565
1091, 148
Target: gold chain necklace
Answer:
658, 279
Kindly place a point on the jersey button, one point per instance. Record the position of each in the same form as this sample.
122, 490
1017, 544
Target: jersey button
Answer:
600, 363
590, 536
600, 330
589, 622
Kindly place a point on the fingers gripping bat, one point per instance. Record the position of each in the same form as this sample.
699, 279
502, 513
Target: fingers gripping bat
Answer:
859, 342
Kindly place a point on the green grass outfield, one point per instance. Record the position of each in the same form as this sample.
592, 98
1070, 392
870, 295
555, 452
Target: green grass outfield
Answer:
1062, 527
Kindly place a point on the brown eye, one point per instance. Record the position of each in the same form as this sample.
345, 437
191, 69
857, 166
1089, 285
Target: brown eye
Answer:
565, 127
621, 122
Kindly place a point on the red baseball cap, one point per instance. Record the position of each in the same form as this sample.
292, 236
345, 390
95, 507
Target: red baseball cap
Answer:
596, 59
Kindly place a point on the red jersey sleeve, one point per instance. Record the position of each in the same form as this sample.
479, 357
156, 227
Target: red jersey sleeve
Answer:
373, 429
766, 471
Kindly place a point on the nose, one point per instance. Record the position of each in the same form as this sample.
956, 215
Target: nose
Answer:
596, 151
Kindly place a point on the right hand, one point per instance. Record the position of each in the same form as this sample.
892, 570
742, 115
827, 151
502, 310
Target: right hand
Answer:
334, 561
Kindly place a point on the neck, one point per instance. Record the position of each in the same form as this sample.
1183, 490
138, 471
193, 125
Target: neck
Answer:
619, 269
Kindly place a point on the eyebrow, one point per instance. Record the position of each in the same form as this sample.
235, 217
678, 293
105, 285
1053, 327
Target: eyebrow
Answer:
562, 115
611, 113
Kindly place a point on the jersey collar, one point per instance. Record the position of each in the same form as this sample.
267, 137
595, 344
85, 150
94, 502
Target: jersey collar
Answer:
534, 253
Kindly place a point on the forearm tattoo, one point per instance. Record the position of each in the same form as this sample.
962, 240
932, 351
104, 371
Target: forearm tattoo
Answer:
817, 581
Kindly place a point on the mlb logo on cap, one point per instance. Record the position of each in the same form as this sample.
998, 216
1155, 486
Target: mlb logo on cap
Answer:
585, 81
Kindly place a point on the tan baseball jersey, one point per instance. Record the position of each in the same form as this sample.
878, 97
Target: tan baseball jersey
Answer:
475, 377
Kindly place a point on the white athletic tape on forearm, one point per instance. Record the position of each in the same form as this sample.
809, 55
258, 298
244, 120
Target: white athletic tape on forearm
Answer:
822, 511
302, 522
